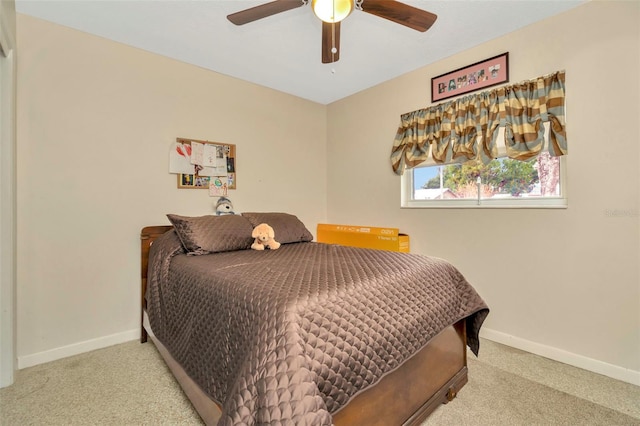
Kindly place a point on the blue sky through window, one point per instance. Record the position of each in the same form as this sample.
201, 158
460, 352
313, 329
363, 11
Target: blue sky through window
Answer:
422, 174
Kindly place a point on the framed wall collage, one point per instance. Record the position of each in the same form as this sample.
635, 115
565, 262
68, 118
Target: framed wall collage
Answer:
201, 164
483, 74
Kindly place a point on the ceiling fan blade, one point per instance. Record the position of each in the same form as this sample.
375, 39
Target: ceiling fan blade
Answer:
330, 40
263, 11
400, 13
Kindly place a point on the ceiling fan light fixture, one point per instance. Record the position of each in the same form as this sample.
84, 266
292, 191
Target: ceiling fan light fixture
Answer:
332, 11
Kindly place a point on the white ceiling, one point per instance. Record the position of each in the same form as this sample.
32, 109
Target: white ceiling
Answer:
283, 51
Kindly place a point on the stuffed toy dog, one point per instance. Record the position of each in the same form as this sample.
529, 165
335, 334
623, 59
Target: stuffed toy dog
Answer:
264, 236
224, 206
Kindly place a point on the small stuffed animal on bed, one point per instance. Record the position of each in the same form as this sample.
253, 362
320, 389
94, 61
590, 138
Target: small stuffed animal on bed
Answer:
224, 206
264, 237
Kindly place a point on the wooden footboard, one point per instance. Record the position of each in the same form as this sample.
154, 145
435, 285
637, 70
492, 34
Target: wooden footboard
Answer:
147, 237
405, 396
410, 393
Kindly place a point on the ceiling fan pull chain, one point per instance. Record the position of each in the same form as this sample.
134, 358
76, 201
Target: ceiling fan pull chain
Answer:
358, 4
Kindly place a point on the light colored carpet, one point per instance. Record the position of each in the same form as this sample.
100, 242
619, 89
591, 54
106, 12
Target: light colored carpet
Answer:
129, 384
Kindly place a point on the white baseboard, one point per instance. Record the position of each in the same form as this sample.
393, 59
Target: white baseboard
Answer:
77, 348
589, 364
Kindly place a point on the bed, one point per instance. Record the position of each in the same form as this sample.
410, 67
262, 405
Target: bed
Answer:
310, 333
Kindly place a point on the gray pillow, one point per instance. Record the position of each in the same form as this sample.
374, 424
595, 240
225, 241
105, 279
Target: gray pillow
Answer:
212, 234
287, 227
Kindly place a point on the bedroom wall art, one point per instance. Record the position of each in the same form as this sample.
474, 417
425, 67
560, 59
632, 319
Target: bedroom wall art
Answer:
202, 164
486, 73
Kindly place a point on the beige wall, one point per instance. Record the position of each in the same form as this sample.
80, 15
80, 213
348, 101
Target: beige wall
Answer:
8, 13
563, 283
96, 120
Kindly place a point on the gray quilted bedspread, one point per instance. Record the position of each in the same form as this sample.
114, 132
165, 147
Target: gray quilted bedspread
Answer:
289, 336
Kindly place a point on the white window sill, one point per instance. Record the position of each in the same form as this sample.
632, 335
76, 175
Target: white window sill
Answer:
548, 203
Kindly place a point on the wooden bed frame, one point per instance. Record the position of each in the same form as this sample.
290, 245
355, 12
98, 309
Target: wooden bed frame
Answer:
405, 396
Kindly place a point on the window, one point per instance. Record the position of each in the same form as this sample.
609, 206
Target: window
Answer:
505, 183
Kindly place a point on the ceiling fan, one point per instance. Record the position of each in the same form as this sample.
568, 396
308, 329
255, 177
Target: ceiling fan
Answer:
331, 12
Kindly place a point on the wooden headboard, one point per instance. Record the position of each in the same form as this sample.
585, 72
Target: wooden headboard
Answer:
147, 236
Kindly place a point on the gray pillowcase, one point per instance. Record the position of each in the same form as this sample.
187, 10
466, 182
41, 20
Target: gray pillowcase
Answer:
212, 234
287, 227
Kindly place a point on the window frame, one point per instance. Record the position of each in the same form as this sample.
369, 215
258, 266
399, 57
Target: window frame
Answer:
561, 202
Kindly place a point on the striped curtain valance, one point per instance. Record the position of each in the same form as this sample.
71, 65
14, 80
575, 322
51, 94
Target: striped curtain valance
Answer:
466, 129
